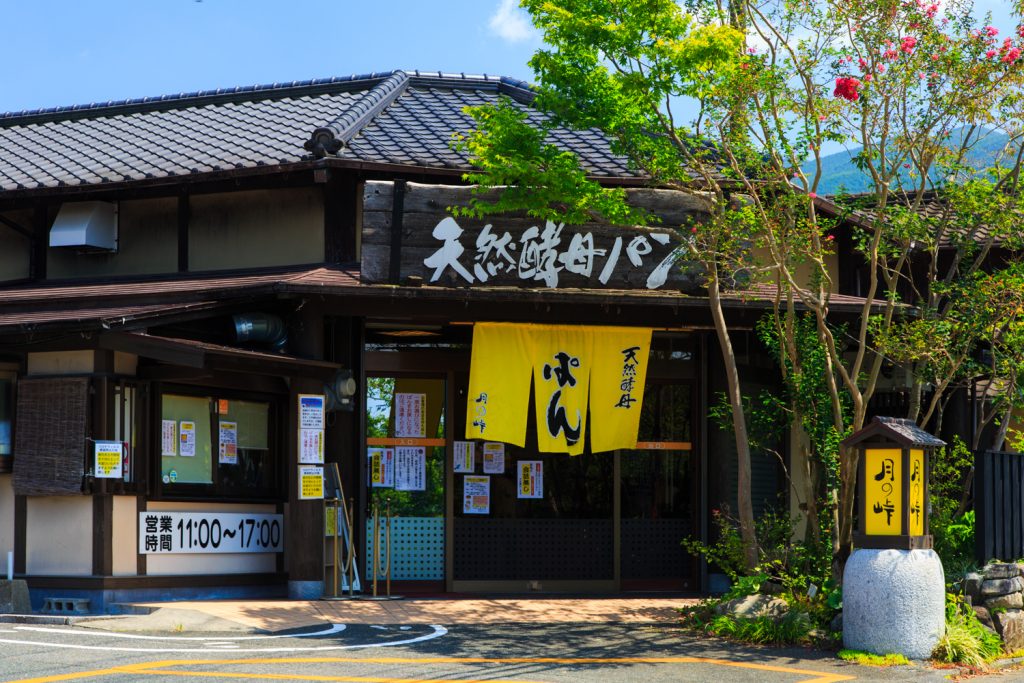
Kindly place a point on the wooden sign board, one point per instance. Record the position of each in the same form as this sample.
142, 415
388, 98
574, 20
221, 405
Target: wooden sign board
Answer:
514, 250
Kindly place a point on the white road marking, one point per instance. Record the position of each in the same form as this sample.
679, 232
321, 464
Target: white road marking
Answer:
329, 631
437, 632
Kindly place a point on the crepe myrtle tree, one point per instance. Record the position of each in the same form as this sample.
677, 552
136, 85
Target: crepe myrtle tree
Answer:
735, 104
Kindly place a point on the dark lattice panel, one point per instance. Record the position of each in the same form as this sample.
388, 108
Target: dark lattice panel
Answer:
651, 549
49, 436
528, 549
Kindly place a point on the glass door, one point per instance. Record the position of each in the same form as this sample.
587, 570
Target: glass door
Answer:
405, 439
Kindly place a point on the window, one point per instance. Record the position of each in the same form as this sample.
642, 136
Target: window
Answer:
6, 421
217, 445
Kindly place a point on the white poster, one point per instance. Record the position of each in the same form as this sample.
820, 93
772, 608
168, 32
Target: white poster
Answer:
228, 443
465, 457
530, 479
187, 439
168, 437
494, 458
311, 446
410, 468
311, 411
108, 460
210, 532
476, 495
381, 467
410, 415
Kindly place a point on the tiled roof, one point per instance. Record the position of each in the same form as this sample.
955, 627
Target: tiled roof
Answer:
405, 118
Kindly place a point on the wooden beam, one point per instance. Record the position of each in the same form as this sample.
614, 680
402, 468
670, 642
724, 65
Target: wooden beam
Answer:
397, 214
341, 211
20, 532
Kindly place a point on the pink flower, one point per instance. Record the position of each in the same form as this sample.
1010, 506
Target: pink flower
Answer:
931, 11
744, 66
1011, 56
991, 31
694, 230
890, 54
990, 54
920, 74
752, 50
868, 77
880, 68
812, 195
821, 117
908, 43
829, 238
1020, 30
935, 58
846, 87
863, 64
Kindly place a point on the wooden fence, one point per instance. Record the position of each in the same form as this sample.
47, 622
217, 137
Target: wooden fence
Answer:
999, 505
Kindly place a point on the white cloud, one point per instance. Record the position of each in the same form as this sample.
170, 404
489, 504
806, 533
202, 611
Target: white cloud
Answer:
511, 23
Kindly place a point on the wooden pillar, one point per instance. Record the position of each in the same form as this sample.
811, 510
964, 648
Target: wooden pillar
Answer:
304, 542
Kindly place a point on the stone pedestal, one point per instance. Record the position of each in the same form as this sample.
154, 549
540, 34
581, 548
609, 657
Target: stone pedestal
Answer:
894, 602
14, 597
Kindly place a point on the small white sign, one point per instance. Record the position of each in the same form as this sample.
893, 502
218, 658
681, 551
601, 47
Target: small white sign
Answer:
530, 479
108, 459
168, 438
380, 466
228, 449
311, 411
187, 439
410, 415
410, 468
476, 495
311, 446
494, 458
465, 457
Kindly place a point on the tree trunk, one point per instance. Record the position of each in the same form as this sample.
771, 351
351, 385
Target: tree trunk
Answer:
743, 498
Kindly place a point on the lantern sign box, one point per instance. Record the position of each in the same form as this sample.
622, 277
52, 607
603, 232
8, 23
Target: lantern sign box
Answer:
892, 484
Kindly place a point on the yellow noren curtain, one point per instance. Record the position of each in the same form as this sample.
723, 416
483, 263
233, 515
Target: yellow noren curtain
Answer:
499, 383
617, 386
571, 367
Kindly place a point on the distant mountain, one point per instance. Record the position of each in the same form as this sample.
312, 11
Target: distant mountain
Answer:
840, 174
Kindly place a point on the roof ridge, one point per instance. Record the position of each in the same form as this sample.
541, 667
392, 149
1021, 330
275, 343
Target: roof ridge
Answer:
234, 94
332, 137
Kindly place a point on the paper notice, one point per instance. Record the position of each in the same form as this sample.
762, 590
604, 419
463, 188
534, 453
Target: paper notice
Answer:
476, 495
380, 463
410, 415
410, 468
187, 439
530, 479
311, 482
465, 460
228, 449
311, 445
494, 458
168, 437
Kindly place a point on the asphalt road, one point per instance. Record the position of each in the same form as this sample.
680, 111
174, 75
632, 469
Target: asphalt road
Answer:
540, 653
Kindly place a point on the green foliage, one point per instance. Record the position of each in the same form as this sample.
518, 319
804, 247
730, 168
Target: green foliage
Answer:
953, 534
870, 659
966, 640
793, 628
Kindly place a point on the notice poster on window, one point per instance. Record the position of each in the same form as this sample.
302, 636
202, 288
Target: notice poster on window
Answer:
530, 479
168, 438
494, 458
311, 445
311, 411
410, 468
381, 467
476, 495
187, 439
108, 460
311, 482
410, 415
465, 457
228, 439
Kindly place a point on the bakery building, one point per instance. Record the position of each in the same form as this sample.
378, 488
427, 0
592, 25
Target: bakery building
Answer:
206, 299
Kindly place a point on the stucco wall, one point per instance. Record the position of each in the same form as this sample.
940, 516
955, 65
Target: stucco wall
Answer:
256, 228
147, 244
58, 536
211, 563
14, 249
125, 537
61, 362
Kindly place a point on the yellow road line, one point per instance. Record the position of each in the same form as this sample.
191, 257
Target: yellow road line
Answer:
162, 667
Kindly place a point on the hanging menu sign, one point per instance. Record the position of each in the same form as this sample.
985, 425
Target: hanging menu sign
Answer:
410, 468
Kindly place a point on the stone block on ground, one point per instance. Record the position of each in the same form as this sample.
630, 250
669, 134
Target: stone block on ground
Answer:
14, 597
1010, 625
894, 601
985, 617
752, 606
1002, 586
1009, 601
972, 584
1001, 570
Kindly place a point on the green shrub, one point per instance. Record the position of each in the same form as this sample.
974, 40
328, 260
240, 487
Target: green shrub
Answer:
966, 640
871, 659
794, 628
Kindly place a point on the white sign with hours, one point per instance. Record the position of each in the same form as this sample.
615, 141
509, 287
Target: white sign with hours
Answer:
210, 532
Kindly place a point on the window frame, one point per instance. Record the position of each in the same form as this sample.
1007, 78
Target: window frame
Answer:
215, 491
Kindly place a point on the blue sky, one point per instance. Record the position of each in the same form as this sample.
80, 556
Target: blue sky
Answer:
63, 52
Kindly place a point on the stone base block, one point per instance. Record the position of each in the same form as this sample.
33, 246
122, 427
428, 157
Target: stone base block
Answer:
14, 598
894, 602
305, 590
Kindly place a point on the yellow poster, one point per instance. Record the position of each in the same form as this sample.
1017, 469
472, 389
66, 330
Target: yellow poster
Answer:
617, 386
561, 380
917, 484
311, 482
883, 487
499, 382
